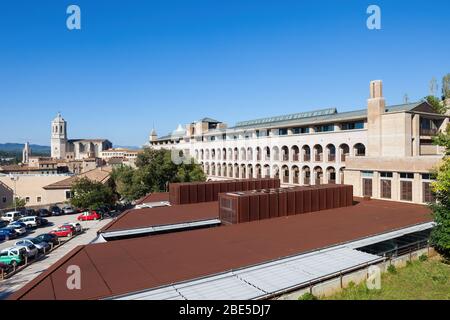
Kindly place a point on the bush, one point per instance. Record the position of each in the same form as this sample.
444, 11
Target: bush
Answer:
423, 257
408, 263
307, 296
392, 269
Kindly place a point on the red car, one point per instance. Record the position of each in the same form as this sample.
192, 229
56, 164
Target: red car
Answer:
64, 231
89, 215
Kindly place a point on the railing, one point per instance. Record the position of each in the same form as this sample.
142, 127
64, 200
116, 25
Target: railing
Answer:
285, 157
295, 157
295, 180
307, 157
306, 180
286, 179
318, 157
331, 157
428, 132
343, 157
360, 154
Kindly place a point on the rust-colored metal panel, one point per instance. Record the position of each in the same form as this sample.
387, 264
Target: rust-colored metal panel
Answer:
330, 197
228, 208
254, 207
209, 189
282, 203
264, 184
232, 186
193, 193
299, 202
322, 198
244, 185
307, 200
264, 206
174, 193
349, 194
276, 183
224, 186
238, 185
251, 184
201, 187
315, 199
342, 196
336, 196
258, 184
244, 209
291, 202
184, 193
273, 204
216, 190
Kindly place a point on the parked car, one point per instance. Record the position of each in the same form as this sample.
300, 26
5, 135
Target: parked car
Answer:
19, 227
76, 225
31, 250
30, 222
30, 213
89, 215
64, 231
43, 222
9, 233
40, 245
44, 213
13, 256
5, 268
11, 216
56, 211
49, 238
3, 223
3, 237
68, 210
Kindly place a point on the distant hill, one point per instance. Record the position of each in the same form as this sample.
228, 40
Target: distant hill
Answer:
127, 147
18, 147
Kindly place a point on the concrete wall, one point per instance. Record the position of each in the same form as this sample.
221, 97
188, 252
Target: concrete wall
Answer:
335, 285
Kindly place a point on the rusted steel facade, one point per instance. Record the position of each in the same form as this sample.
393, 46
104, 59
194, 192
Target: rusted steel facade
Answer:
245, 206
195, 192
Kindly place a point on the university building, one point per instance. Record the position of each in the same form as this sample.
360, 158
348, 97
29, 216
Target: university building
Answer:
384, 151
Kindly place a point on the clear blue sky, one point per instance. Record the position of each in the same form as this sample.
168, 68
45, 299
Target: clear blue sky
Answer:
139, 63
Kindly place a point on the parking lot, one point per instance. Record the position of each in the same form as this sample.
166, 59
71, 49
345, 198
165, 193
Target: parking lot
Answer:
32, 270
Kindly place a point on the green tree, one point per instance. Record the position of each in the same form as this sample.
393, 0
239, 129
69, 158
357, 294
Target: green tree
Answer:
155, 169
446, 86
440, 236
88, 194
19, 202
437, 104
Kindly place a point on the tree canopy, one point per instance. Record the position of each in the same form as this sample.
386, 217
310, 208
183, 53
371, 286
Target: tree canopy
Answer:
440, 236
88, 194
154, 170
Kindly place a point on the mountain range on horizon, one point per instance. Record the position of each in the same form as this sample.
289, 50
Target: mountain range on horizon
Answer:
36, 148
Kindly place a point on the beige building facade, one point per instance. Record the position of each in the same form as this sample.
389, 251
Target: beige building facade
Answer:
389, 145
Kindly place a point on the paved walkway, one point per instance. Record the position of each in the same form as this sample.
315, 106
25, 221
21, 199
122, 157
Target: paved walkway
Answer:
18, 280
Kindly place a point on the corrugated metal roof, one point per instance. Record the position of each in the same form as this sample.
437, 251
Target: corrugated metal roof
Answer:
264, 279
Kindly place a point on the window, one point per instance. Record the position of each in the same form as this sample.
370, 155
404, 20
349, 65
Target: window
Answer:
4, 199
406, 175
367, 187
386, 174
352, 125
224, 136
325, 128
406, 190
283, 132
367, 173
427, 194
213, 138
299, 130
38, 199
68, 195
428, 176
27, 199
386, 189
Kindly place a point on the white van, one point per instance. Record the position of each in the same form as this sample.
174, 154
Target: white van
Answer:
31, 222
11, 216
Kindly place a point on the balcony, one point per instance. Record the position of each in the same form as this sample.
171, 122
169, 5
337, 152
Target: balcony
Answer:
285, 179
319, 157
428, 132
306, 157
331, 157
295, 157
285, 157
295, 180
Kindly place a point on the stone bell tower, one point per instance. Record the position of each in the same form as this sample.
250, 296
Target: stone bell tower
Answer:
59, 137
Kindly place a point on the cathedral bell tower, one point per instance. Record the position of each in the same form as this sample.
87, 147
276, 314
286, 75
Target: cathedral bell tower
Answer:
59, 137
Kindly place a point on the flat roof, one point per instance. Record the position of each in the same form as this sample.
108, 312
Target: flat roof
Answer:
124, 266
154, 197
176, 214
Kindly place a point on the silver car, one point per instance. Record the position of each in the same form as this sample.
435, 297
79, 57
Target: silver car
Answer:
68, 210
40, 245
32, 251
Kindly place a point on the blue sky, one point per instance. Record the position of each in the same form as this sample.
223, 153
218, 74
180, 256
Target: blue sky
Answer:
135, 64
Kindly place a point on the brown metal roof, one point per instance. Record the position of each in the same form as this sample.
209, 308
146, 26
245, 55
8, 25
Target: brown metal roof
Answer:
147, 217
125, 266
154, 197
